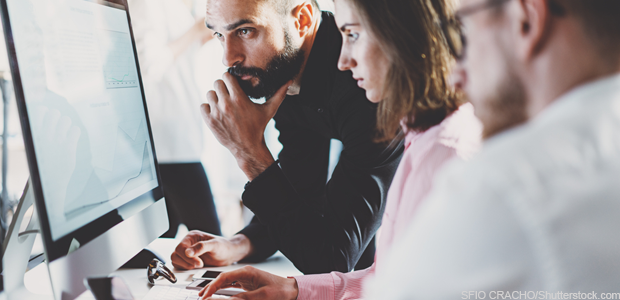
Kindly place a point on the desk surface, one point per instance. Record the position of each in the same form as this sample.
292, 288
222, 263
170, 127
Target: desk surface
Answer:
136, 278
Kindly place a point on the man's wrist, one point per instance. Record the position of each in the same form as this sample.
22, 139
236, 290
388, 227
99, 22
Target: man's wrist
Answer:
253, 164
242, 246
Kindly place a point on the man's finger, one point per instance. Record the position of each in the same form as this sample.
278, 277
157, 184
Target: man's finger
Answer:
205, 108
180, 252
276, 100
233, 86
183, 262
185, 242
178, 262
221, 89
205, 112
200, 248
212, 101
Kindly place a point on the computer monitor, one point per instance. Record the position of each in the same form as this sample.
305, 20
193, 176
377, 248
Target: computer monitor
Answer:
92, 163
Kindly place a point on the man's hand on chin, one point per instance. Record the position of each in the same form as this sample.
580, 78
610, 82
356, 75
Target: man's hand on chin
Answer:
239, 124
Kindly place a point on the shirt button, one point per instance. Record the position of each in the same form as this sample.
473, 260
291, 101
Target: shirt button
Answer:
320, 110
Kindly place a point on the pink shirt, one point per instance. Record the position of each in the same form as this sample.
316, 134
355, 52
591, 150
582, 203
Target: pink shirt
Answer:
425, 152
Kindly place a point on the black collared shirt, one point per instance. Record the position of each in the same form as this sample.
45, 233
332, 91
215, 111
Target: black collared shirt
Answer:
322, 226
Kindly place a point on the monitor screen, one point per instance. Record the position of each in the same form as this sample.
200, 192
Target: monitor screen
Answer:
83, 114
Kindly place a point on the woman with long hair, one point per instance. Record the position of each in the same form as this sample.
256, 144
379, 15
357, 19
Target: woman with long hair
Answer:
397, 52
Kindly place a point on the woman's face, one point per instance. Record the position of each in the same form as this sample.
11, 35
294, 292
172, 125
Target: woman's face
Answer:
360, 51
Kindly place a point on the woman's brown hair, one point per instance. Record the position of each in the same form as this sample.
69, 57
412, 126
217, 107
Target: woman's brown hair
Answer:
417, 88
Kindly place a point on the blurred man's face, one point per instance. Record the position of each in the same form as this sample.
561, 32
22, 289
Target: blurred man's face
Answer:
258, 48
487, 72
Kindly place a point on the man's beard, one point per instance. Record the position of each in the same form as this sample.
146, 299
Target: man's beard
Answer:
282, 68
506, 107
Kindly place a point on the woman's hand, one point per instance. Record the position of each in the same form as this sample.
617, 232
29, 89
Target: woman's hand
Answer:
258, 284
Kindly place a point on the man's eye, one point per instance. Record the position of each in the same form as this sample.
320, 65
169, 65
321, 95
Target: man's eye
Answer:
244, 31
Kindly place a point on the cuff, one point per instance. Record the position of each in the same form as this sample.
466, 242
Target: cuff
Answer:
262, 243
315, 287
269, 194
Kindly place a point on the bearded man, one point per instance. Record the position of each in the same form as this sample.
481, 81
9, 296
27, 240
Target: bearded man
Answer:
287, 52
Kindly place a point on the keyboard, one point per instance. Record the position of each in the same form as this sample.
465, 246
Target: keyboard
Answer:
170, 292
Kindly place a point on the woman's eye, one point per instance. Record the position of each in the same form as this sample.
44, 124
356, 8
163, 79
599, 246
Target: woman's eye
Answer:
352, 37
217, 35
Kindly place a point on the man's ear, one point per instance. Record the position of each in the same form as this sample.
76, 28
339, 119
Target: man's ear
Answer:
304, 16
534, 27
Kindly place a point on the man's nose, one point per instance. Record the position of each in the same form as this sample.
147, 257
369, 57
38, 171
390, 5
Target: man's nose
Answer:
232, 54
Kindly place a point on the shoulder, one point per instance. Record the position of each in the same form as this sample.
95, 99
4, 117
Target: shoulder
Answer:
348, 100
457, 135
529, 169
462, 131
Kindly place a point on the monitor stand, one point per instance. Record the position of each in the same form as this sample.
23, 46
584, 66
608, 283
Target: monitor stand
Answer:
17, 249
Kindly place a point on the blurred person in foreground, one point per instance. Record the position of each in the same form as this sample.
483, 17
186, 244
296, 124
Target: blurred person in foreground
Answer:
168, 39
287, 52
535, 213
410, 82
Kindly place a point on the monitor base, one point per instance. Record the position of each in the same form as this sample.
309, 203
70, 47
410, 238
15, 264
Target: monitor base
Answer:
17, 248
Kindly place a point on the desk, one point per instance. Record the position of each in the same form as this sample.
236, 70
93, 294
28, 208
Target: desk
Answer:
37, 281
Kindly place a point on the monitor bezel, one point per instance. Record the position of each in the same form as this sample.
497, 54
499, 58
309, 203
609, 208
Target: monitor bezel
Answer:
56, 249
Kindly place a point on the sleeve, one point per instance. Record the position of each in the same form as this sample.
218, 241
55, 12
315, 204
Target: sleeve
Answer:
332, 286
325, 227
262, 243
310, 154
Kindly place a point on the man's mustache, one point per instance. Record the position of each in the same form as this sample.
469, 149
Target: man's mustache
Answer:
239, 71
